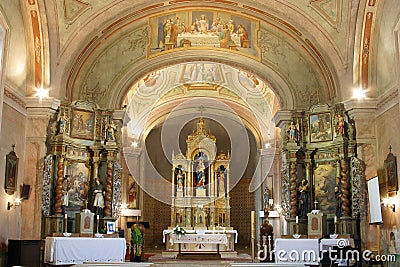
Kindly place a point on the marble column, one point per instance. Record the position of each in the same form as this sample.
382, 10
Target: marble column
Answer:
39, 114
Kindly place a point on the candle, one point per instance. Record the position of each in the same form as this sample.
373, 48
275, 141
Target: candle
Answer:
297, 219
335, 219
65, 216
97, 217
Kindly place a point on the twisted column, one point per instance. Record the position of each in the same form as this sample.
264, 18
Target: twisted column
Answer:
60, 177
345, 187
108, 196
293, 190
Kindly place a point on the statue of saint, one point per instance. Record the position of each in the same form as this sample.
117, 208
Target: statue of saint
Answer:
292, 131
340, 126
267, 197
179, 179
111, 131
303, 198
62, 123
200, 171
66, 186
98, 198
221, 183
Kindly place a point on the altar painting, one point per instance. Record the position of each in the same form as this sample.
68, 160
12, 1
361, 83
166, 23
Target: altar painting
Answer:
324, 188
78, 184
203, 28
320, 127
82, 124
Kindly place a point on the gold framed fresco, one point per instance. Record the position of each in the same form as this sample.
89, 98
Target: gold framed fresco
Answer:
204, 29
321, 127
82, 124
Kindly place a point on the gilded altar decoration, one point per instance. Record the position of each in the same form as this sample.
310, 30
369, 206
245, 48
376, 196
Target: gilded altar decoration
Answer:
200, 195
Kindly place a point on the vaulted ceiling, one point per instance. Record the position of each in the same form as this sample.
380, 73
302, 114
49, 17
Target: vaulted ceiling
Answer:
101, 48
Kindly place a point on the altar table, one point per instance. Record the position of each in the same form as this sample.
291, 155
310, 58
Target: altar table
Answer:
297, 251
229, 246
77, 250
199, 239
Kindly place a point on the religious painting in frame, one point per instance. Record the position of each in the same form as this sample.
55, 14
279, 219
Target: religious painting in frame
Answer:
206, 29
391, 172
78, 184
11, 174
324, 188
110, 227
82, 125
321, 127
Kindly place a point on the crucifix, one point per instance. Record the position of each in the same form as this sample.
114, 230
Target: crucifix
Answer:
315, 205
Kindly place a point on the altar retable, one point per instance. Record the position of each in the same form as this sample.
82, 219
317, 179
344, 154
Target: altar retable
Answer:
200, 198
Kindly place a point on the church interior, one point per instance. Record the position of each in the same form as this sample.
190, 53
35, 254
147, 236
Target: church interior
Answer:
192, 129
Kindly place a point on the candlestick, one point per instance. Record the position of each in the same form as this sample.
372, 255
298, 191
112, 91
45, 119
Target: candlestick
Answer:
335, 222
65, 223
97, 223
253, 233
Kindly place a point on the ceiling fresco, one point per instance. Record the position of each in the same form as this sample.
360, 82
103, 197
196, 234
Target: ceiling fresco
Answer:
299, 47
206, 29
199, 79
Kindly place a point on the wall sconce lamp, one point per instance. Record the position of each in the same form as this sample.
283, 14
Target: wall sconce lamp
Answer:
13, 205
390, 202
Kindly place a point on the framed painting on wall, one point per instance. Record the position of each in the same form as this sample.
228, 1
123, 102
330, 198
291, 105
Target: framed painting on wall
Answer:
82, 125
321, 127
11, 171
391, 172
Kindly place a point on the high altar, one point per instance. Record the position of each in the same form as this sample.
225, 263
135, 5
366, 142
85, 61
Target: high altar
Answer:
200, 195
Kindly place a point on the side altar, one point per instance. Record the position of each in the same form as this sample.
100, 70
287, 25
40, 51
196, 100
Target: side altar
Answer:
200, 197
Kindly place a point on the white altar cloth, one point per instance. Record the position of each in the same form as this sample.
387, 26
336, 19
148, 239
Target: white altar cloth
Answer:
327, 243
77, 250
297, 251
202, 232
199, 239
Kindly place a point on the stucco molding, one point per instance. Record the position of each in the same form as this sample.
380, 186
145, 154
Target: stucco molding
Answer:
386, 101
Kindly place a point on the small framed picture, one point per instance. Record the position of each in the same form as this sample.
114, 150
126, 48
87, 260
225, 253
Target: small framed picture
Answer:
320, 127
110, 227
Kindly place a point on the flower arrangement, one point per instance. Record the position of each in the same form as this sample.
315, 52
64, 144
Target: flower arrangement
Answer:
179, 231
137, 241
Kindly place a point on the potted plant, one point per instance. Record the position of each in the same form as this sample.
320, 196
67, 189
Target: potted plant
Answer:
136, 243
